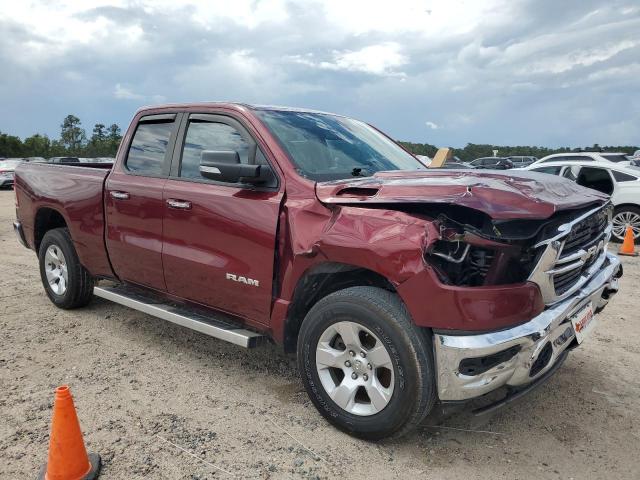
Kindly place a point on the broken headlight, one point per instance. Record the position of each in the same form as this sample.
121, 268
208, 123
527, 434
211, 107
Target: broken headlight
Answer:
464, 257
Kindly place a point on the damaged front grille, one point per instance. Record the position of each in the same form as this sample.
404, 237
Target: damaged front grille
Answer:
569, 258
585, 233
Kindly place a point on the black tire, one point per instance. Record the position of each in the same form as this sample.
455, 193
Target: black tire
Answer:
624, 209
383, 313
79, 287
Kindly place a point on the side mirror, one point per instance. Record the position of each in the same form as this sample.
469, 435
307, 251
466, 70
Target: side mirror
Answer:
225, 166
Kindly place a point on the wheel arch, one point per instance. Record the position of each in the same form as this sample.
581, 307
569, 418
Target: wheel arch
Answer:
46, 219
623, 206
318, 282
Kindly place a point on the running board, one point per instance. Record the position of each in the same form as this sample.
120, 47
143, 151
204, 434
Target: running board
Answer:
214, 327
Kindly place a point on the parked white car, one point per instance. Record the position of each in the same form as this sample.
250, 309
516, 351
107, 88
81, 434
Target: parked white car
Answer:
620, 181
424, 159
620, 158
7, 168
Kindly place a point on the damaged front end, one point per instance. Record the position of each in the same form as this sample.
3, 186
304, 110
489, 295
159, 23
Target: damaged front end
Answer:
508, 264
566, 258
472, 250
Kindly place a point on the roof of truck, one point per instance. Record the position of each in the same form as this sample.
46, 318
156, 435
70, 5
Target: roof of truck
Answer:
236, 106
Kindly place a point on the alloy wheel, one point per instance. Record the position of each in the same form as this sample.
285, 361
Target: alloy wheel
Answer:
56, 270
626, 219
355, 368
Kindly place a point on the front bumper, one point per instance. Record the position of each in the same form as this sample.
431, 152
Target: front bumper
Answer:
520, 355
17, 229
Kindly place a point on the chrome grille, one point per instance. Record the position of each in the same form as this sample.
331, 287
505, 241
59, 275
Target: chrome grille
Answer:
586, 233
572, 256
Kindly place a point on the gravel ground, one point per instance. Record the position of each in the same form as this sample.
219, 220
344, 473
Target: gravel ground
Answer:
146, 391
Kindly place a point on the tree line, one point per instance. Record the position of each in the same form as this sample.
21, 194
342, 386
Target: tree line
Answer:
73, 142
473, 150
104, 142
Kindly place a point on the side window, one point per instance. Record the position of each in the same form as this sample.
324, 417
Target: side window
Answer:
210, 136
623, 177
595, 178
550, 170
149, 147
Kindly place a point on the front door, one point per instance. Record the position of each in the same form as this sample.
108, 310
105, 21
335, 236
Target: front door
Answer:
135, 205
219, 238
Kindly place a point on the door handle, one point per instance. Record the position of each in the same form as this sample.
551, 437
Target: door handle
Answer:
180, 204
119, 195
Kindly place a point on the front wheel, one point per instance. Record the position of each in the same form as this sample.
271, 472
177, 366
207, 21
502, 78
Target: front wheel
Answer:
67, 283
366, 367
623, 217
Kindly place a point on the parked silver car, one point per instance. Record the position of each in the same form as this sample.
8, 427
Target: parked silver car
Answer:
7, 168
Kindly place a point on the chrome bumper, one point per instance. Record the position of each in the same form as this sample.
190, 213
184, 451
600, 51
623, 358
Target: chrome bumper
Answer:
17, 229
526, 341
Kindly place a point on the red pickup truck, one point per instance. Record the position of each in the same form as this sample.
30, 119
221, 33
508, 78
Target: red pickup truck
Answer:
399, 288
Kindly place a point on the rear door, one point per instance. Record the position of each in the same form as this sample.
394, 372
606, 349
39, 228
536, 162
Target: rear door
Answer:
135, 205
219, 238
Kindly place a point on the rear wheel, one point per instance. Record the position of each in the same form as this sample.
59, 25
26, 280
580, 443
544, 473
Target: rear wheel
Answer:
623, 217
67, 283
365, 366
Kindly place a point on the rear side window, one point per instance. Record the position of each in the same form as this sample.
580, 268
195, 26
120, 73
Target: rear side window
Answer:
210, 136
149, 148
623, 177
569, 158
616, 158
595, 178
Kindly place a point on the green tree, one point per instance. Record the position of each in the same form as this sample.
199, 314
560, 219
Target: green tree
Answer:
114, 137
37, 146
99, 133
98, 145
72, 135
10, 146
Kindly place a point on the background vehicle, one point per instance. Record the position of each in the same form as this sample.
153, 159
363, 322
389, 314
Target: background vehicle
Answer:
522, 161
424, 159
493, 163
64, 160
614, 157
397, 286
457, 165
7, 169
620, 181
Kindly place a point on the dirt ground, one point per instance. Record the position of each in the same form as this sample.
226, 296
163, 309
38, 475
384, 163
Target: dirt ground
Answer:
147, 392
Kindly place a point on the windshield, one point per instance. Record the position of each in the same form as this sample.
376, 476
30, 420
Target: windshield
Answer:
328, 147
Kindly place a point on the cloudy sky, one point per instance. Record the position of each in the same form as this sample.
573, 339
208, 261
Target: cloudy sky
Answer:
543, 72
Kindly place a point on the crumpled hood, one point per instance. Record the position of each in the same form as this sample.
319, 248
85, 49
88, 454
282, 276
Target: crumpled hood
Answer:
511, 195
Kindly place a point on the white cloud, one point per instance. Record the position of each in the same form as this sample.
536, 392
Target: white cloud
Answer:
484, 76
583, 57
124, 93
377, 59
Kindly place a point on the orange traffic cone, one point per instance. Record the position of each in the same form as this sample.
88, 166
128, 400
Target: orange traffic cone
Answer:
68, 459
627, 247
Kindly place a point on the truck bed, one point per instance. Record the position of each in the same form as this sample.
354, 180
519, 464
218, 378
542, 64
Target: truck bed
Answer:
75, 193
